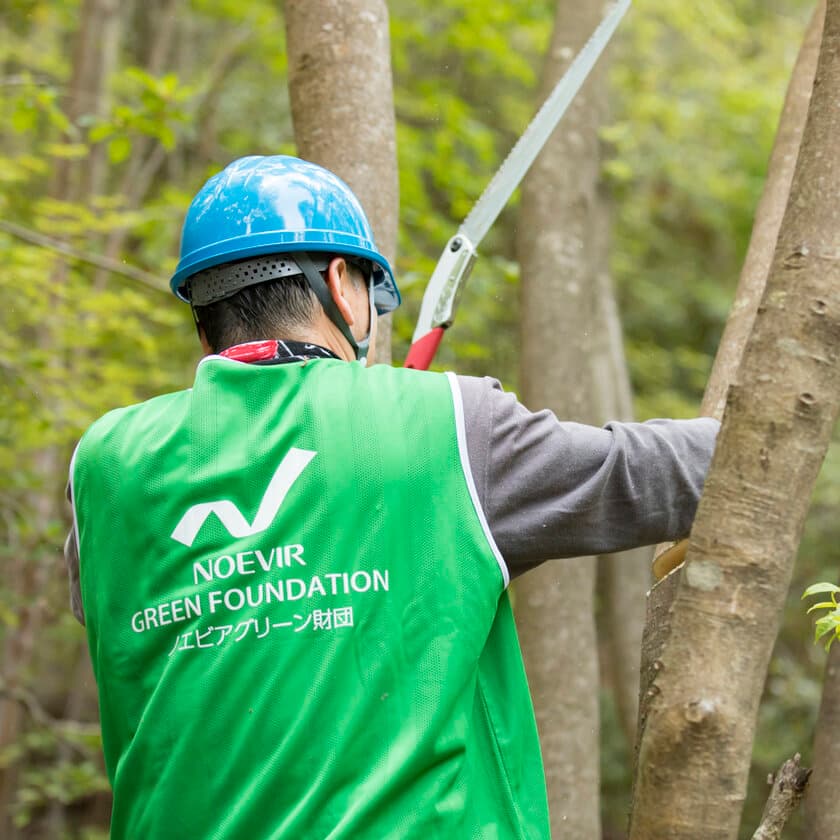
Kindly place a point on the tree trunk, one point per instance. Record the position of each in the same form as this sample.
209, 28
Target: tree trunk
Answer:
695, 748
623, 582
554, 603
343, 108
623, 579
759, 256
822, 804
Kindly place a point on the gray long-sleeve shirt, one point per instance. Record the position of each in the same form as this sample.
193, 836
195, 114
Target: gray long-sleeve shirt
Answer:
553, 489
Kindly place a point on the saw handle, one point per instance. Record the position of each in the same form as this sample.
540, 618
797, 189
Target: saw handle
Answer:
421, 353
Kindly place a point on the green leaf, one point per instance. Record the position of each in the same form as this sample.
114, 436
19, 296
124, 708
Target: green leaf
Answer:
818, 588
826, 624
24, 119
100, 132
119, 148
822, 606
68, 151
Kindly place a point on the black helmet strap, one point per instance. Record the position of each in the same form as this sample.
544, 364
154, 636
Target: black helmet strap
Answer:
319, 287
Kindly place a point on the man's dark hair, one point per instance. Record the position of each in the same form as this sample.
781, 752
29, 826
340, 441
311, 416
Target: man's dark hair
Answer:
275, 309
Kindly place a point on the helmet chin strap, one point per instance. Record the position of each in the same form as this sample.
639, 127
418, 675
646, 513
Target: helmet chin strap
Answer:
316, 283
362, 348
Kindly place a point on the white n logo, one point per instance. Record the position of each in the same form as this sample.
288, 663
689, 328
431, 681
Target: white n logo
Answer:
231, 517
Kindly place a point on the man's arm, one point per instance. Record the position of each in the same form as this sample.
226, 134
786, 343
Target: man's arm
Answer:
556, 489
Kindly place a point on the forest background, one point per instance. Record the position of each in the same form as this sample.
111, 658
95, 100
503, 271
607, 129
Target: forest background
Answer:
99, 161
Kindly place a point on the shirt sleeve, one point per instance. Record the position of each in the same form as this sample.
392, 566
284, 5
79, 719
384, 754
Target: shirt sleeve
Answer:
553, 489
71, 559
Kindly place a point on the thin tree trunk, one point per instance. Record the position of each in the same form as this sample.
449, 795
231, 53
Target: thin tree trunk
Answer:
82, 93
81, 697
759, 256
342, 101
32, 568
147, 155
108, 12
623, 582
555, 603
623, 579
695, 749
822, 803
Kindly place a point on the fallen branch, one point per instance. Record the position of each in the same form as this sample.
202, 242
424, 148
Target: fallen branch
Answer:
788, 789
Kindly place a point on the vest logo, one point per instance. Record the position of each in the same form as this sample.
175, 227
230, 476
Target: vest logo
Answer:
286, 474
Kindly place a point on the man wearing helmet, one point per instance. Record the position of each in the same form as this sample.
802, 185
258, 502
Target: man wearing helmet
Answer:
259, 207
294, 575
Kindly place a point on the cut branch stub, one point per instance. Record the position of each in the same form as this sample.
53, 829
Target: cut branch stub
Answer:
788, 788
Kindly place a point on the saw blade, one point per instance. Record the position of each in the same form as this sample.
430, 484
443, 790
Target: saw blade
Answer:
498, 192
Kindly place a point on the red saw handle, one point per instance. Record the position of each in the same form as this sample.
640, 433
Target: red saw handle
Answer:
421, 353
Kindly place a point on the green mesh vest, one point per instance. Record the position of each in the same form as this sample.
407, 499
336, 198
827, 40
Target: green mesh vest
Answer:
297, 618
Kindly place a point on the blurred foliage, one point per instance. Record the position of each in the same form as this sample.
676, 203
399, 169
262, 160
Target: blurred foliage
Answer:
696, 92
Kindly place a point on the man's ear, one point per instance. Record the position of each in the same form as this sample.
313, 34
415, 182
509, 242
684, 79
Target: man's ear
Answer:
338, 282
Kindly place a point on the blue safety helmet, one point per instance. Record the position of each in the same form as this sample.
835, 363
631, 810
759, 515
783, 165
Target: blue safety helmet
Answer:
278, 205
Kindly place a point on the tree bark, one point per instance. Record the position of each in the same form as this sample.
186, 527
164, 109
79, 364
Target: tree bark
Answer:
695, 748
765, 232
822, 804
342, 102
555, 603
751, 285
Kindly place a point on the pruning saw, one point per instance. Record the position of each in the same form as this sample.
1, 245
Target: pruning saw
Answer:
440, 299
